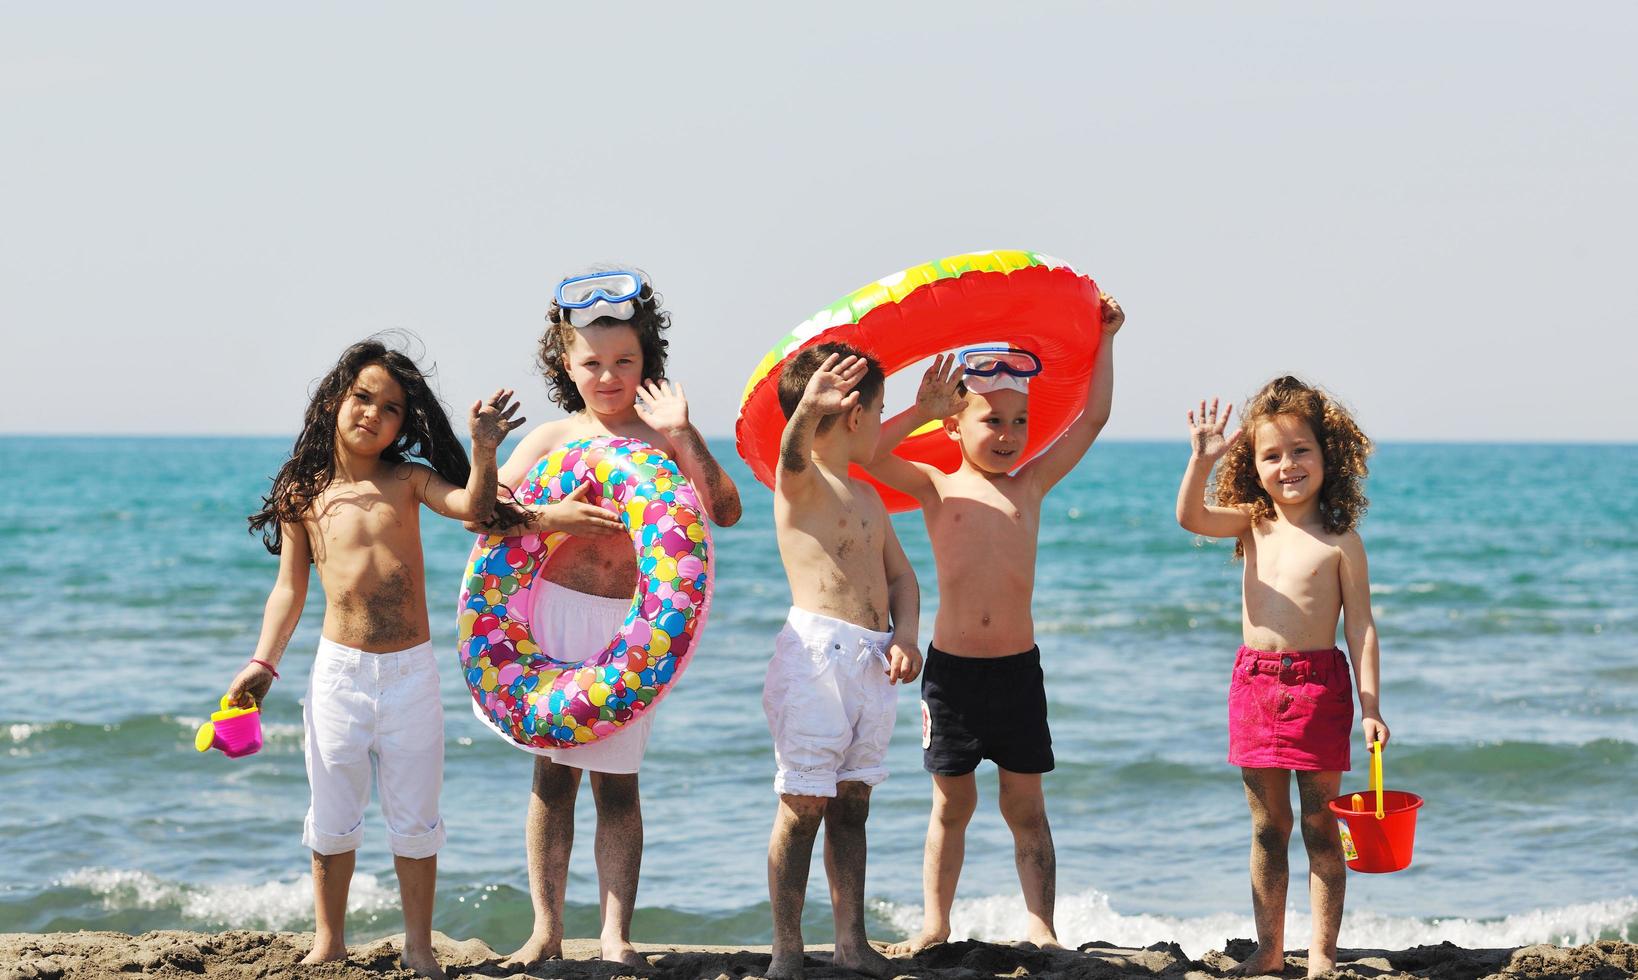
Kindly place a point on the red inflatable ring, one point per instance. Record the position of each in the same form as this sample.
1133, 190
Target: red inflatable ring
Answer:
1024, 299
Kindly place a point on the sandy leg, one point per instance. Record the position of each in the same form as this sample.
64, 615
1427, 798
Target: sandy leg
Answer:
954, 800
1268, 794
1024, 808
619, 861
1327, 872
548, 835
332, 875
845, 852
790, 849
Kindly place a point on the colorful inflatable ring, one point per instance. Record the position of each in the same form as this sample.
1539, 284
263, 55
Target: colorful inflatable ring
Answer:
1024, 299
543, 702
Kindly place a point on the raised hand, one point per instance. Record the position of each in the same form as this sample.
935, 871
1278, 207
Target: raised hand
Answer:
1206, 432
1113, 315
663, 405
937, 398
832, 387
491, 421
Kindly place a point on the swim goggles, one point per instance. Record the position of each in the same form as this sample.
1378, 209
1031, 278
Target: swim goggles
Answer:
993, 368
596, 295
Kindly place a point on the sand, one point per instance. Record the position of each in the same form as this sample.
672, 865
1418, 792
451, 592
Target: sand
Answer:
244, 955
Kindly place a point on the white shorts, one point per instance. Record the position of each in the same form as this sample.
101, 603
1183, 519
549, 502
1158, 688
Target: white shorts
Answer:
384, 706
829, 704
573, 626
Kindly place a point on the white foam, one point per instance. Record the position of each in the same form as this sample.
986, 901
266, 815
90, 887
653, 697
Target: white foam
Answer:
1088, 917
269, 905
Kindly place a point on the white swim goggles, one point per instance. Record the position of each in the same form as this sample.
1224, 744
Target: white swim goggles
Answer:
586, 299
993, 368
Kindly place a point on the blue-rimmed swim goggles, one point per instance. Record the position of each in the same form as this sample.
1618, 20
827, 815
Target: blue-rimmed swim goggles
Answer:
596, 295
993, 368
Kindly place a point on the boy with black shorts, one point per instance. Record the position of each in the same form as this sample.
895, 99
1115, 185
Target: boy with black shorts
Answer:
982, 690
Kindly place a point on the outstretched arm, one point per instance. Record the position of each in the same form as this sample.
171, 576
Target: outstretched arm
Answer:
904, 606
1059, 458
1193, 513
279, 617
490, 423
665, 407
937, 398
1359, 629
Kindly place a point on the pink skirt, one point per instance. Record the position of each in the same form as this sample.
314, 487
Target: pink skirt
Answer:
1291, 710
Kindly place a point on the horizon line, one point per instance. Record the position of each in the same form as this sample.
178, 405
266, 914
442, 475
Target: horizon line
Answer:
1171, 440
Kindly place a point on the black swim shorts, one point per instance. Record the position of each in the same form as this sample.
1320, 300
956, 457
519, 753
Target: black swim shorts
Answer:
975, 708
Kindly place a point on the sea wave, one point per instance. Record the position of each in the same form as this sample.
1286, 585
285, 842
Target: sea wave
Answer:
272, 905
1090, 916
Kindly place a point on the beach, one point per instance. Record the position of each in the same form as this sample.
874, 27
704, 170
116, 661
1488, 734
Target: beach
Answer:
243, 955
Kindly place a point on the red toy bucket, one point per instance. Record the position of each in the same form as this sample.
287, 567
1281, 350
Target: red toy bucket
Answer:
1378, 828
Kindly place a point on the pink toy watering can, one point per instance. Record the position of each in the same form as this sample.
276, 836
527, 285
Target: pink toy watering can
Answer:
236, 731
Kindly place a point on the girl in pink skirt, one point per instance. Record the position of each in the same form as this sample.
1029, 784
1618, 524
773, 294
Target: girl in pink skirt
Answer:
1290, 492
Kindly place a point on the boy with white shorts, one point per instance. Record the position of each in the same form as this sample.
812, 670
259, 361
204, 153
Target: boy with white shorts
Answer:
851, 635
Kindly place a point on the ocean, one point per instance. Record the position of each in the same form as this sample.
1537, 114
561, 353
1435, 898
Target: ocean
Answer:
1505, 585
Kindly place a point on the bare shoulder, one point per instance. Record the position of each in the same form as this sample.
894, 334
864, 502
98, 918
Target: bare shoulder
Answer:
1350, 545
541, 440
546, 437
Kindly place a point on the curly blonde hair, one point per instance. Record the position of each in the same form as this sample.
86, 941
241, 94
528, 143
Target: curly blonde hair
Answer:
650, 321
1343, 446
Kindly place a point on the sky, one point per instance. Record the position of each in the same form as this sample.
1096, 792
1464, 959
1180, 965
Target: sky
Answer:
1426, 208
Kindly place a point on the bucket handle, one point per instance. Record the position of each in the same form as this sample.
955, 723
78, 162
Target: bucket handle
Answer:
1376, 778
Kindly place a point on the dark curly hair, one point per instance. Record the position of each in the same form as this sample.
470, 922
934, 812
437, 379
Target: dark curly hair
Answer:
425, 433
1342, 502
650, 321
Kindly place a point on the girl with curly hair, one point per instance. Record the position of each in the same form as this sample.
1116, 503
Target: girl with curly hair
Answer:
604, 358
1290, 492
348, 502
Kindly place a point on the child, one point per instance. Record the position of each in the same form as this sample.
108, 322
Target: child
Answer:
348, 501
850, 636
602, 351
983, 693
1290, 492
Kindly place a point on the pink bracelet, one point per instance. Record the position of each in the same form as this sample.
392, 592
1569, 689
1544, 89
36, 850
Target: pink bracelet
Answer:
269, 667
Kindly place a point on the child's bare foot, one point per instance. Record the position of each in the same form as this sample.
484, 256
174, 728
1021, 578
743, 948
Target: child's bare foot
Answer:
918, 942
330, 951
1260, 964
863, 958
1319, 963
786, 966
536, 951
623, 952
422, 963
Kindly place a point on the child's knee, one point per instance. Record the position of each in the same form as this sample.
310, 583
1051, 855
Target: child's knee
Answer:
955, 809
1271, 831
1319, 833
616, 793
851, 805
1023, 813
805, 812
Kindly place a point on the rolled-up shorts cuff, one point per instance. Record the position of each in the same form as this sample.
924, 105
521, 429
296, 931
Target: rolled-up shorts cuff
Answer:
418, 845
870, 776
322, 843
805, 784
